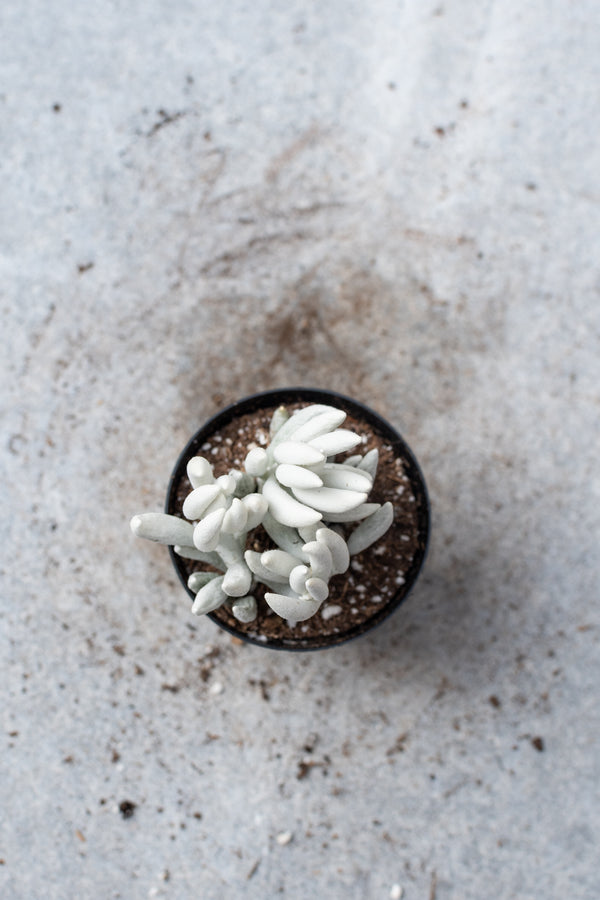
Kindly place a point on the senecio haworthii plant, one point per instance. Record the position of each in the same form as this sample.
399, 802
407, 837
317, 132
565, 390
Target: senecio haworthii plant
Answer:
300, 496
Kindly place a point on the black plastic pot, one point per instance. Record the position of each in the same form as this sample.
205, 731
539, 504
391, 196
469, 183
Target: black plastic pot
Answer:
383, 430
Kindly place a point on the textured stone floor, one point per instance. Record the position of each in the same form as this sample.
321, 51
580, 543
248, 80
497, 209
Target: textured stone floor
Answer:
398, 200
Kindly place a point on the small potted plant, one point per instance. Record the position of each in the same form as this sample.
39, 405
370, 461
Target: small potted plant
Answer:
289, 530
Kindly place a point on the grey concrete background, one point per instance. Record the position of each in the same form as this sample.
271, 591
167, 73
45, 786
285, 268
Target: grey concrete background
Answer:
398, 200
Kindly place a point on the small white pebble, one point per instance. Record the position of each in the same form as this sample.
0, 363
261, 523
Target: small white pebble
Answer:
396, 892
206, 446
216, 688
329, 611
361, 588
354, 610
357, 566
400, 490
404, 537
399, 579
379, 551
284, 838
376, 598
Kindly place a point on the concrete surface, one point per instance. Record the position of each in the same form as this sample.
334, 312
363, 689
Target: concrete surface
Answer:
395, 199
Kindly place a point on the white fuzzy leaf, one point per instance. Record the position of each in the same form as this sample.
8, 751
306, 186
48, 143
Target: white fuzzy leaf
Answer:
340, 556
354, 515
330, 500
227, 483
207, 531
294, 609
285, 537
244, 609
353, 460
212, 559
209, 597
298, 578
297, 476
299, 418
335, 442
256, 507
371, 529
197, 580
263, 574
280, 417
163, 528
236, 517
279, 563
237, 580
321, 560
244, 484
309, 533
256, 461
320, 425
198, 501
295, 453
285, 508
318, 589
338, 475
199, 471
369, 462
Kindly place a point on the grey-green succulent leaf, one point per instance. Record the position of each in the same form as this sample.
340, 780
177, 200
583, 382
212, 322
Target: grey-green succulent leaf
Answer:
285, 537
210, 597
244, 609
198, 501
371, 529
317, 588
279, 563
320, 425
294, 609
256, 507
369, 462
211, 559
353, 515
199, 471
296, 453
330, 500
244, 484
163, 528
321, 560
266, 576
334, 442
287, 510
298, 578
297, 476
208, 530
235, 518
349, 478
197, 580
279, 418
237, 580
289, 429
256, 462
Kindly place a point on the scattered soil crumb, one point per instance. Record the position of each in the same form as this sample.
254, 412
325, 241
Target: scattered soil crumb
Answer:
127, 808
538, 743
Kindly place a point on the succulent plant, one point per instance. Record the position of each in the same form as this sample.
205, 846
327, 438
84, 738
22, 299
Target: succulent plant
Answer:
295, 490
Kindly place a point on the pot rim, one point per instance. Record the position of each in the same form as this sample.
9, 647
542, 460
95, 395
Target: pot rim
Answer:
276, 397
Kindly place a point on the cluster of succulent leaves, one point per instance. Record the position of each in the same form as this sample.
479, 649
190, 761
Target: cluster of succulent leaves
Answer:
300, 496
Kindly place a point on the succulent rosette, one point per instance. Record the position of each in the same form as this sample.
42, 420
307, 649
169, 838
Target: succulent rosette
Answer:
299, 494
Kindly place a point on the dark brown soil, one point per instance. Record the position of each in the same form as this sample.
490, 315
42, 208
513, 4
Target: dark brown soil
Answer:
375, 576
